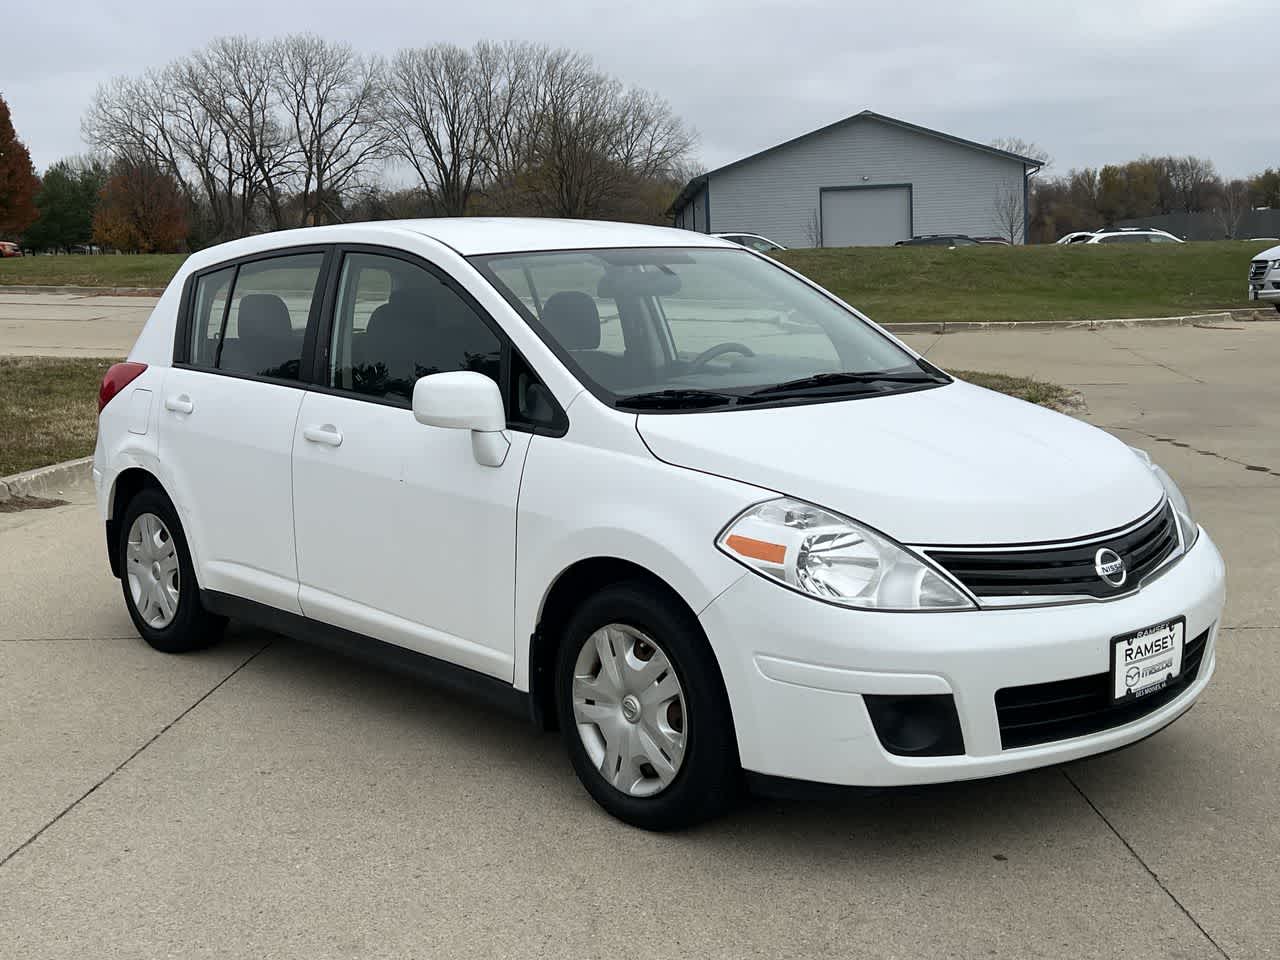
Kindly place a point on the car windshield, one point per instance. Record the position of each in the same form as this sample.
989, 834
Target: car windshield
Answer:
693, 328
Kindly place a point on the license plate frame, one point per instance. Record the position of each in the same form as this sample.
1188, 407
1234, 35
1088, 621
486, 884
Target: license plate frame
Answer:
1127, 686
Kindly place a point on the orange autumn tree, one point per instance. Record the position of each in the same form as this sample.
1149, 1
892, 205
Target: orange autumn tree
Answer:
18, 183
140, 210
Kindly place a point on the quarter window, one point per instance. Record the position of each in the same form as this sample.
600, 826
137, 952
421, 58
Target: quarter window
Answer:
209, 311
396, 322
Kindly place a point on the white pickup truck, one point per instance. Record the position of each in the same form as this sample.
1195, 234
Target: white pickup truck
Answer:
1264, 277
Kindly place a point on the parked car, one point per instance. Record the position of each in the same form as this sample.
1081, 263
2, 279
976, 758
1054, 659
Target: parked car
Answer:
752, 241
579, 468
9, 249
1264, 277
1133, 235
939, 240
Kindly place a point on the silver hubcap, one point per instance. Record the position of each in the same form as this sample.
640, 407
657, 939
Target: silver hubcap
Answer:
630, 710
151, 564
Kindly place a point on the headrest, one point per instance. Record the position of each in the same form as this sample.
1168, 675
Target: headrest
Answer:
405, 307
263, 315
572, 318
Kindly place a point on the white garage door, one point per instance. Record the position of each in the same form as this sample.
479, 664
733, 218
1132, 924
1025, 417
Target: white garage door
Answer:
865, 216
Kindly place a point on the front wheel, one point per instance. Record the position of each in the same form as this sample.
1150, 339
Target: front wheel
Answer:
160, 588
643, 711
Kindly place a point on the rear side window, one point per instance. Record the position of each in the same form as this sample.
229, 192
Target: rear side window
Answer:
258, 329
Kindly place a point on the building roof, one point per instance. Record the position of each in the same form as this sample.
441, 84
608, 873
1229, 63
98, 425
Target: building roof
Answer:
694, 185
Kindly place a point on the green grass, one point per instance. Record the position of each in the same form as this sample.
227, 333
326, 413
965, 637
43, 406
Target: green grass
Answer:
1097, 282
48, 410
82, 270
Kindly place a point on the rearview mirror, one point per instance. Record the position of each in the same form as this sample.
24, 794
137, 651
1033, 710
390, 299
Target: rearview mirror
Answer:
465, 400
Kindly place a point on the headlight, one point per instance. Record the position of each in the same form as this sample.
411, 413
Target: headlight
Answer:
1275, 264
1187, 528
833, 558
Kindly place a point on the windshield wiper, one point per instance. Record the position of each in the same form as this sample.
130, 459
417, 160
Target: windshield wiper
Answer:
676, 398
819, 380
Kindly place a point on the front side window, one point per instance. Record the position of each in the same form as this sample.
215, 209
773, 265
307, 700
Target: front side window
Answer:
687, 328
252, 319
395, 322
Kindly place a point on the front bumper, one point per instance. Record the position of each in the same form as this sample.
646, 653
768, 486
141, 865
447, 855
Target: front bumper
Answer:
1266, 290
796, 670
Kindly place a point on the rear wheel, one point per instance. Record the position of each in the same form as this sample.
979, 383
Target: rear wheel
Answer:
643, 711
160, 589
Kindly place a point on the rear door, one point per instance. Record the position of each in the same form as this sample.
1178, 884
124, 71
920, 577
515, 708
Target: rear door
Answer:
401, 534
229, 406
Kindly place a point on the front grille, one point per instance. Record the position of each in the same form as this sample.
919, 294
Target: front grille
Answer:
1049, 571
1045, 712
1257, 269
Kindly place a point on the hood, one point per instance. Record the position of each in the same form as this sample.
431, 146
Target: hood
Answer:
1271, 253
953, 465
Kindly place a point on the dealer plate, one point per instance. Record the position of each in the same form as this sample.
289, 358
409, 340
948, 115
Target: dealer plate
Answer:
1145, 661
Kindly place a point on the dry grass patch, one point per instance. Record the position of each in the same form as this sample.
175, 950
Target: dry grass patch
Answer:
48, 410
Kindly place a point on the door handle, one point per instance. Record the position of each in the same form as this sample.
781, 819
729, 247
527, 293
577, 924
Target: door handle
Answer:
328, 434
179, 404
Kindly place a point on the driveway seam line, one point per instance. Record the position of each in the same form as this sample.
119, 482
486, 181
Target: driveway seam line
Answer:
1152, 360
1145, 866
156, 736
1255, 468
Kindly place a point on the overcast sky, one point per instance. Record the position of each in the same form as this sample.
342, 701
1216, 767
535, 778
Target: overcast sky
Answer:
1092, 81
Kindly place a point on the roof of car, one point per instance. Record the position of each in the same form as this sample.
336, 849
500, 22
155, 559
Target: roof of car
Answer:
474, 235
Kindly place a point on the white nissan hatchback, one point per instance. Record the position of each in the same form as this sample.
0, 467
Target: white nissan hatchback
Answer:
655, 489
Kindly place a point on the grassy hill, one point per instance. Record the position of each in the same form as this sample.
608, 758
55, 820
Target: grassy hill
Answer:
898, 284
1094, 282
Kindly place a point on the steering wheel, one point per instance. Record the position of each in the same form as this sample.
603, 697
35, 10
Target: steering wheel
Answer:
719, 350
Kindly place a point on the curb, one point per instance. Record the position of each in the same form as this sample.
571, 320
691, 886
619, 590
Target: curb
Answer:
35, 290
47, 482
1218, 316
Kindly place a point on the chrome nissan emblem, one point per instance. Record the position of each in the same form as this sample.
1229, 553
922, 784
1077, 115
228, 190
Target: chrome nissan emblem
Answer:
1110, 567
631, 708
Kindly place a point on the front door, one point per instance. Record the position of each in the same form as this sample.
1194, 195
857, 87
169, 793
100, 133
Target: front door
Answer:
228, 412
401, 534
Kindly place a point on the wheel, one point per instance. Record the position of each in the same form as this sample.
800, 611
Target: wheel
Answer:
159, 580
643, 710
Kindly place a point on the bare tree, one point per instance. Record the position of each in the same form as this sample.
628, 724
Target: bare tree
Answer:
1233, 202
1007, 212
234, 81
1194, 179
432, 121
332, 100
595, 138
813, 229
262, 135
507, 78
1024, 148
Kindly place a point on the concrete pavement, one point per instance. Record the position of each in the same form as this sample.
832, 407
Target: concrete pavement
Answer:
70, 325
270, 799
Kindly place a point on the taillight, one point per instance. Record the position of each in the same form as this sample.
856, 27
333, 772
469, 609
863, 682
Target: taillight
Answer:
119, 376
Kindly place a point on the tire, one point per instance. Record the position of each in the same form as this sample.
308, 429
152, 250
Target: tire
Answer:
160, 547
674, 758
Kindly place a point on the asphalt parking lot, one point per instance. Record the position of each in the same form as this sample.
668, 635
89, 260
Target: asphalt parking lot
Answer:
267, 798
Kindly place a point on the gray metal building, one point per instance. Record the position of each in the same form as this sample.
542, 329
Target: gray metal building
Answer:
867, 180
